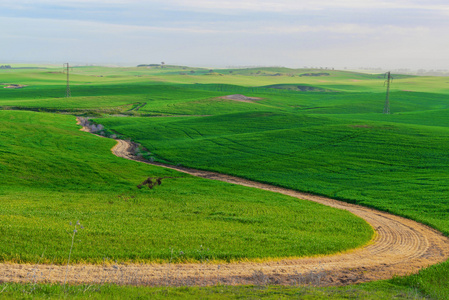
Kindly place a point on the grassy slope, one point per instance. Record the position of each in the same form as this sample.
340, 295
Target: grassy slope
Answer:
364, 101
396, 163
53, 174
374, 291
395, 167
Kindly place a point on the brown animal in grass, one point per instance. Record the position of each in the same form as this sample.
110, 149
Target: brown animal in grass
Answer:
151, 182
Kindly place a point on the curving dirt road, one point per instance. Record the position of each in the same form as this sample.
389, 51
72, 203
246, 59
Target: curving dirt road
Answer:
401, 247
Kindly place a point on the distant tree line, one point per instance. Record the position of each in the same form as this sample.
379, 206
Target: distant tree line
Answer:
150, 65
315, 74
162, 64
5, 67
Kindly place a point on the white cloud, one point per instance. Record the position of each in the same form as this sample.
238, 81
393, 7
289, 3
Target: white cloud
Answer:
289, 6
48, 27
42, 27
345, 29
65, 2
246, 5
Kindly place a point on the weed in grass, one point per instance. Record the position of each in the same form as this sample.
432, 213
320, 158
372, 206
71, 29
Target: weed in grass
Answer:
259, 278
75, 230
34, 275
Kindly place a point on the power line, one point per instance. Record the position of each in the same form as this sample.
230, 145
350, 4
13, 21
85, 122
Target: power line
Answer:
387, 101
68, 93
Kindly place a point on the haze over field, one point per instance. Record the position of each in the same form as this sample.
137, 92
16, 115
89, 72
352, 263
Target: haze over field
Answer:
337, 33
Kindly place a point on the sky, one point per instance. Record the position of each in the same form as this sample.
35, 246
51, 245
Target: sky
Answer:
337, 34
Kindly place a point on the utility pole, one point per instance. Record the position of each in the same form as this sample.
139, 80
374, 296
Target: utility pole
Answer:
387, 101
68, 94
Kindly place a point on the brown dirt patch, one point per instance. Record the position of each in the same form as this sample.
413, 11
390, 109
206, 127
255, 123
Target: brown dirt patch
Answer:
15, 86
241, 98
84, 122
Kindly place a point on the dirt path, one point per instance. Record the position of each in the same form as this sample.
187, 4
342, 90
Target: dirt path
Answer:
401, 247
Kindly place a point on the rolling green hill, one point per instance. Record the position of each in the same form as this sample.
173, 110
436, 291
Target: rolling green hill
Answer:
330, 138
53, 174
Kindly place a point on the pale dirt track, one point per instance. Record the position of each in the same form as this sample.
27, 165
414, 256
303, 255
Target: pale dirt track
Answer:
400, 247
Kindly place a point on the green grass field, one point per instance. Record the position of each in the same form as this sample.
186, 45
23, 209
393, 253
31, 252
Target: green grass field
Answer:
53, 174
369, 291
395, 167
330, 138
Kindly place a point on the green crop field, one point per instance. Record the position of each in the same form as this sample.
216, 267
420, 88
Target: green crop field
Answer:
322, 134
53, 174
369, 291
396, 167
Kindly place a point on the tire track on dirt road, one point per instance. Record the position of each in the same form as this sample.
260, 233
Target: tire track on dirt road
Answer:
401, 247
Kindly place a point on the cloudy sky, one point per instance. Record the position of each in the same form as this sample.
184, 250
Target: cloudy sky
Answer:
219, 33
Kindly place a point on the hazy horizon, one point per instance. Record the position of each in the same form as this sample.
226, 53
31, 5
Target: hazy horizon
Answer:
335, 34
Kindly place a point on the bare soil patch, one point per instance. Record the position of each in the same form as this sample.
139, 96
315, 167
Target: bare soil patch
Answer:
84, 122
400, 247
14, 86
241, 98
